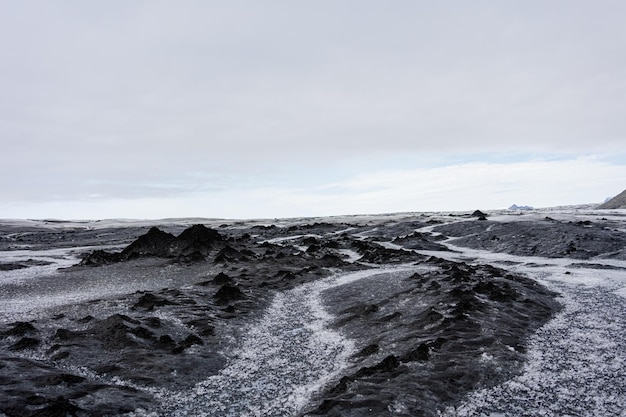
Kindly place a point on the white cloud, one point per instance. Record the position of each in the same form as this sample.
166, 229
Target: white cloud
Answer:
125, 99
453, 188
463, 187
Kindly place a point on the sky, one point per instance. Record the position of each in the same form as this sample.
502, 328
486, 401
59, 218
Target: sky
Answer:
247, 109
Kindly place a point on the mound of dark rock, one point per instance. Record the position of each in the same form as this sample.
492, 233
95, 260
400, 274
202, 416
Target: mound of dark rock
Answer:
11, 266
100, 257
228, 254
149, 301
197, 238
25, 343
192, 245
20, 328
228, 293
419, 241
331, 260
154, 243
380, 255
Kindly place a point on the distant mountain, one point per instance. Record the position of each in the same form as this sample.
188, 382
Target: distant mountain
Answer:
617, 202
516, 207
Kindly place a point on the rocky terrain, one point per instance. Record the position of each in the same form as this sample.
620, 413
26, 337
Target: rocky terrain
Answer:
391, 315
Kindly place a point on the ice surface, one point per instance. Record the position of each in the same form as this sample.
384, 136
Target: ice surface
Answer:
285, 357
577, 362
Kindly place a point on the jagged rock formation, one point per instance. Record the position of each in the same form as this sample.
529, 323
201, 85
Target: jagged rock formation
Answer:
617, 202
193, 244
478, 213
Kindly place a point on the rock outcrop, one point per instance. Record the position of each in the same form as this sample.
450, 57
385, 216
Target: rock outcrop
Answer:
192, 245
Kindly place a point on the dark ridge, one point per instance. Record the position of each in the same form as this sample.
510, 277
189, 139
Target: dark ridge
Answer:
192, 245
228, 293
20, 328
100, 257
199, 234
25, 343
380, 255
419, 241
154, 243
229, 254
11, 266
222, 279
149, 301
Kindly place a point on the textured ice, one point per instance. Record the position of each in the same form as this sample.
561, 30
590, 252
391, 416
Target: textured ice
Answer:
577, 362
283, 359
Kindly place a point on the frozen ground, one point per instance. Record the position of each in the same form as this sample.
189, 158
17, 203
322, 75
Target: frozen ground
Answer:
310, 334
577, 362
289, 354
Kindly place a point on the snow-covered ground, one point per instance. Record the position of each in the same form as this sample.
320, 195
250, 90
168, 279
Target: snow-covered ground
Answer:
577, 362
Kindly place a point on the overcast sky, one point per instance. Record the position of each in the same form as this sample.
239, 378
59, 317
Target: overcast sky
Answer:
240, 109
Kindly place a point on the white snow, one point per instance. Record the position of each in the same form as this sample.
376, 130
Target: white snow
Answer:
351, 255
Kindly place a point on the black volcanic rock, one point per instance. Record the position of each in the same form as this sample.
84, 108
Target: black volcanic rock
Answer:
154, 243
11, 266
58, 407
228, 293
419, 241
479, 214
331, 260
20, 328
192, 245
219, 279
25, 343
222, 279
114, 332
149, 301
197, 238
380, 255
190, 258
229, 254
100, 257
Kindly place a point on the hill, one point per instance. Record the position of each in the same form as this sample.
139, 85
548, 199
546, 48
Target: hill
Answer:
617, 202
